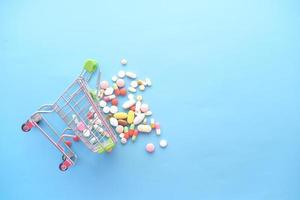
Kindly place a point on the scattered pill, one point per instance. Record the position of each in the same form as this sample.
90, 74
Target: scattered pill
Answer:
114, 102
80, 126
113, 121
119, 129
130, 117
114, 78
122, 122
144, 108
102, 103
148, 82
93, 140
106, 109
148, 113
139, 97
86, 133
123, 140
120, 115
130, 75
130, 96
121, 74
128, 104
139, 118
131, 89
142, 87
124, 61
138, 107
152, 123
123, 91
150, 148
133, 84
144, 128
109, 91
163, 143
120, 82
104, 84
113, 109
157, 128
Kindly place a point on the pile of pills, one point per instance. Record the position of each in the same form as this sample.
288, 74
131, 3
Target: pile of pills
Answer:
133, 116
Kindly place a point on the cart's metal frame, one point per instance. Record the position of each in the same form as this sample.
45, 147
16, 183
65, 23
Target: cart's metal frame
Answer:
74, 105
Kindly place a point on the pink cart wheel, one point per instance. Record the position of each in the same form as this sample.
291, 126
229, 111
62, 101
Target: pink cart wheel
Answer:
63, 167
25, 127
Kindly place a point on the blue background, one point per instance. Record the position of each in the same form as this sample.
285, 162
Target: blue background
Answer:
225, 90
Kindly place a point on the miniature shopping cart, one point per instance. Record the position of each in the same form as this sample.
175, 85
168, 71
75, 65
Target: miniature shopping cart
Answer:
79, 111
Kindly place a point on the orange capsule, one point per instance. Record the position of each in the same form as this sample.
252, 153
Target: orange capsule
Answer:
131, 133
123, 91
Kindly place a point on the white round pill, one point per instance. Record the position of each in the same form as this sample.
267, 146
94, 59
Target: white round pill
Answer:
102, 103
121, 74
113, 109
124, 61
113, 121
163, 143
130, 96
106, 109
86, 133
134, 84
93, 140
109, 91
142, 87
114, 78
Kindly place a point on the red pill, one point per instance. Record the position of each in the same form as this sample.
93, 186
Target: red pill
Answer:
131, 133
114, 102
123, 91
69, 143
126, 135
136, 132
117, 92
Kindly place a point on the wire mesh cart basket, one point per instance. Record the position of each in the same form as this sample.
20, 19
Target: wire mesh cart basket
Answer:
82, 116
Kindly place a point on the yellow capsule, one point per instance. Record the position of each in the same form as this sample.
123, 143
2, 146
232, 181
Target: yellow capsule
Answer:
130, 117
120, 115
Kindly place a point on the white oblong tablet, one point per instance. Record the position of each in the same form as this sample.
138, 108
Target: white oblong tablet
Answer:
106, 109
102, 103
121, 74
113, 109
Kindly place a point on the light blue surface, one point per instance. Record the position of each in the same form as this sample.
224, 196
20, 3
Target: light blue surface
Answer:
225, 90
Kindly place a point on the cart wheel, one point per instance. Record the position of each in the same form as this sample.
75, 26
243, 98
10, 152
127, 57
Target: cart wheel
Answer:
76, 138
62, 167
25, 127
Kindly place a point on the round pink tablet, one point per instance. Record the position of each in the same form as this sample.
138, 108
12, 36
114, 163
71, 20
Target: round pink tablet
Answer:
144, 107
120, 83
80, 126
150, 148
104, 84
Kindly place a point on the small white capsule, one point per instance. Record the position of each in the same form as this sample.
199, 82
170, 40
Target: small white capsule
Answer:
124, 61
134, 84
114, 78
144, 128
131, 89
128, 104
138, 119
148, 113
131, 75
113, 109
121, 74
102, 103
106, 109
